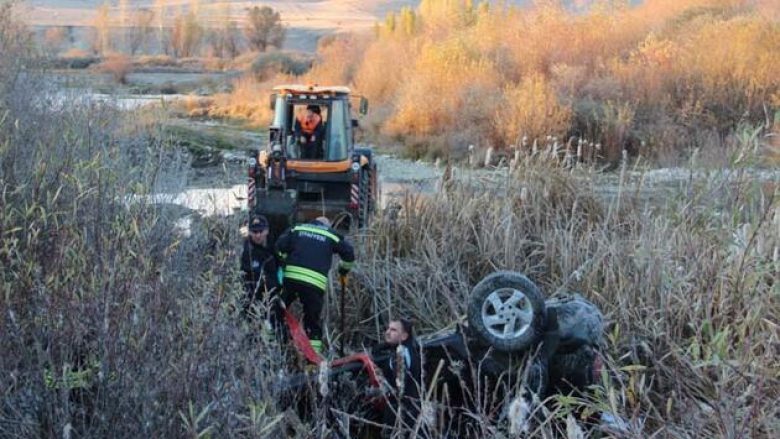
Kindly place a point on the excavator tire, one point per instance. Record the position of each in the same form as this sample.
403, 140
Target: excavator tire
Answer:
364, 198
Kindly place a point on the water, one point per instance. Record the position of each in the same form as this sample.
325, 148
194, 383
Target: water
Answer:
205, 201
135, 102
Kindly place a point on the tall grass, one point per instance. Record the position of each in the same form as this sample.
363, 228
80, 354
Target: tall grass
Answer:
688, 280
113, 324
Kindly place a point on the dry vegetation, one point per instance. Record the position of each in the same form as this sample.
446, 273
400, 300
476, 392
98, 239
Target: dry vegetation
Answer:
689, 285
113, 325
658, 78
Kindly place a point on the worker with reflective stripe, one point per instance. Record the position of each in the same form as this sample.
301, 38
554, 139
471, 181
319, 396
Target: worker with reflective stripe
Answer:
307, 252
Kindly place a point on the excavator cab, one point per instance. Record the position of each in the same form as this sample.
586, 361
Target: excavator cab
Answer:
311, 166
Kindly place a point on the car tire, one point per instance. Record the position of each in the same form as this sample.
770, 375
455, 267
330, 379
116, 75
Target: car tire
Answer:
506, 310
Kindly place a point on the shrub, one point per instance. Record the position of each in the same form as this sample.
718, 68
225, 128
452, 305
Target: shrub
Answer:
337, 61
73, 59
531, 109
102, 284
270, 64
433, 98
117, 65
155, 61
245, 102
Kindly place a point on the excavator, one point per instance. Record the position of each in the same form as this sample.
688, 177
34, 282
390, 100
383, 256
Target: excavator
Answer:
300, 176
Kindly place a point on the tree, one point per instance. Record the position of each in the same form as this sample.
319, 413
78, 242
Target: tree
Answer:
141, 28
101, 38
390, 22
122, 37
264, 28
408, 21
186, 35
224, 38
118, 65
162, 12
53, 39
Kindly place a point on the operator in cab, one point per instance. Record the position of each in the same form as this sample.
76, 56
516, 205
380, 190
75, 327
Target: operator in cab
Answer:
309, 131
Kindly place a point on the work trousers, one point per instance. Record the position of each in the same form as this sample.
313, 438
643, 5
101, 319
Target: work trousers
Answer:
312, 299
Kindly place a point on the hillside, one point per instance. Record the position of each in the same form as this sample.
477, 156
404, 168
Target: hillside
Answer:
306, 21
313, 14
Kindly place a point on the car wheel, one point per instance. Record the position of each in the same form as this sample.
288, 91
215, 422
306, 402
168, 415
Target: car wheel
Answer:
506, 310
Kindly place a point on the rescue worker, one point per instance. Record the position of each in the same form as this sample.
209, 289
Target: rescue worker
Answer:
307, 253
258, 263
403, 371
309, 131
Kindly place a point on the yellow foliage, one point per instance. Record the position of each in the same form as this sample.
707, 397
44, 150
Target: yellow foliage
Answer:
461, 72
717, 70
379, 80
431, 98
245, 102
531, 109
338, 61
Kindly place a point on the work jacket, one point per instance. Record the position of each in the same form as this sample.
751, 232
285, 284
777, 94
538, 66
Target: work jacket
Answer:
258, 262
307, 252
404, 369
310, 125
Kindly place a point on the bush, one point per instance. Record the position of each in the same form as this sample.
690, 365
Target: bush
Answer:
117, 65
156, 61
531, 109
337, 61
270, 64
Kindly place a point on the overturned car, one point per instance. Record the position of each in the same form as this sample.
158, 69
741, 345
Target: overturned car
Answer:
515, 350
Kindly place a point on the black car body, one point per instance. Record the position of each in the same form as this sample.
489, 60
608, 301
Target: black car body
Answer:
465, 375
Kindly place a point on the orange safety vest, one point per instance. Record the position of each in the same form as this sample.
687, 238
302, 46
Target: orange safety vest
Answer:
309, 123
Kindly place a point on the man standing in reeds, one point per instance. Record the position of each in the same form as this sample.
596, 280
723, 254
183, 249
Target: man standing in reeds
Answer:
258, 264
307, 251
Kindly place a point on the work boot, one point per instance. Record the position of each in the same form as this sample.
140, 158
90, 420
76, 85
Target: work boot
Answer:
316, 345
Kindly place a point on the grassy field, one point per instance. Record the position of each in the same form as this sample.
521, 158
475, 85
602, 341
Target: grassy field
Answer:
115, 323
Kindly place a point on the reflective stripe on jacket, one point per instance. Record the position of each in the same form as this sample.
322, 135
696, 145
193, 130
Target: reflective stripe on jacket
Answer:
307, 250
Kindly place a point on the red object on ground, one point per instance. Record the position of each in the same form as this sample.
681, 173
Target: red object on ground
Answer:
368, 365
300, 340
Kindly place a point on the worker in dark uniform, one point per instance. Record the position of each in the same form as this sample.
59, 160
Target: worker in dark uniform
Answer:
307, 253
403, 371
259, 264
309, 131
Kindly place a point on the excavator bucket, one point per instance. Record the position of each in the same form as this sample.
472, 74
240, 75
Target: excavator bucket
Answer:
279, 207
